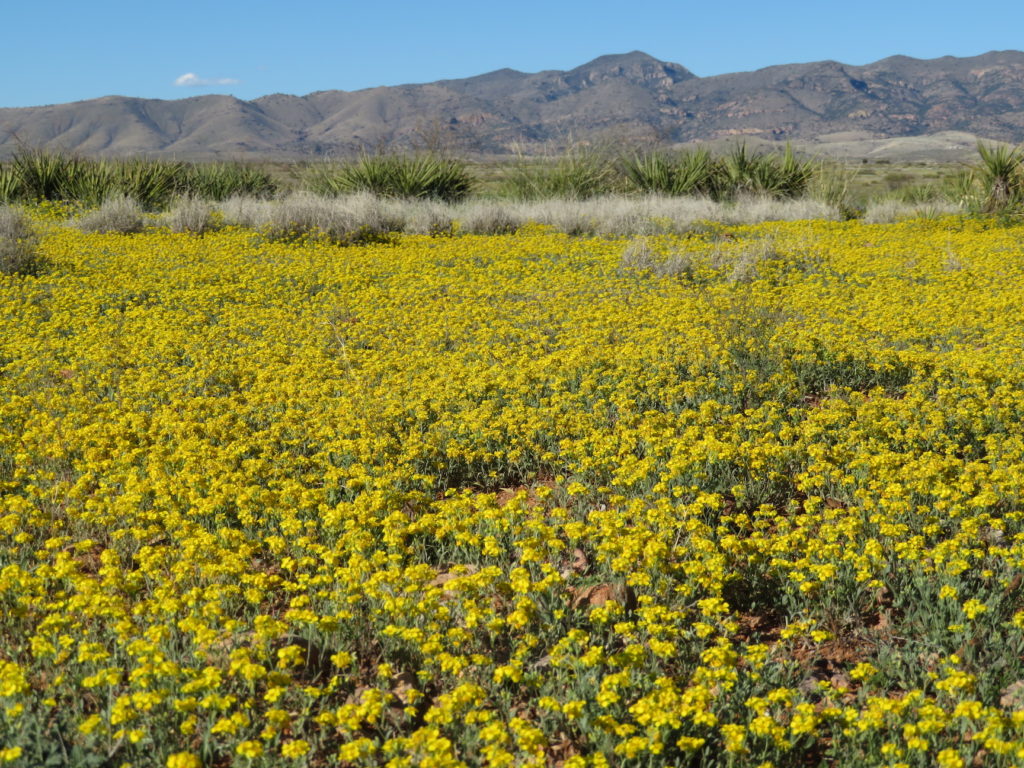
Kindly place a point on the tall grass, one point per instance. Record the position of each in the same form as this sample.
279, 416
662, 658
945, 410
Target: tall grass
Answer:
421, 176
43, 175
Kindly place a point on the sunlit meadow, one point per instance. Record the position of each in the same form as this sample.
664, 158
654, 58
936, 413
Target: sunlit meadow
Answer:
742, 496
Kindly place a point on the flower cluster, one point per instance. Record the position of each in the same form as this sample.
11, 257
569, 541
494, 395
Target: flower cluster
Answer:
507, 500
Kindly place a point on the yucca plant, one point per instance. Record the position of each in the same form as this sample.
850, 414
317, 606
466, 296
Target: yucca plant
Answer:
964, 189
1001, 176
424, 176
578, 174
151, 183
686, 173
10, 185
46, 175
219, 181
767, 174
92, 183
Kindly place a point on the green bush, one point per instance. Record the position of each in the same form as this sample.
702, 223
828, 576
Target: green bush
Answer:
219, 181
45, 175
579, 174
10, 185
685, 173
778, 176
1001, 177
424, 176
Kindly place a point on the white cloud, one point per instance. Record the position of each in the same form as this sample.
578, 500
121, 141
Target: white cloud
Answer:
192, 80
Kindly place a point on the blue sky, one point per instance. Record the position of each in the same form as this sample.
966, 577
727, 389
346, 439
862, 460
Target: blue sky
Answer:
67, 51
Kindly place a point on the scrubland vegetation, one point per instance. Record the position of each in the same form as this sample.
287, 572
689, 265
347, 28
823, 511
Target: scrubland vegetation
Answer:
723, 186
370, 481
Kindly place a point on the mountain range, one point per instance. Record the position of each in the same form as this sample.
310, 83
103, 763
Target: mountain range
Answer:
615, 97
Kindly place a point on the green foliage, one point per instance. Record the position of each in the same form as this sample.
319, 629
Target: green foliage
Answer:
1001, 176
579, 174
831, 185
422, 176
992, 187
34, 175
685, 173
778, 176
219, 181
45, 175
10, 185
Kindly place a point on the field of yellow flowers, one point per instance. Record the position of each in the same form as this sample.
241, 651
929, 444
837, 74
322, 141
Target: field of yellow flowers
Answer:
735, 497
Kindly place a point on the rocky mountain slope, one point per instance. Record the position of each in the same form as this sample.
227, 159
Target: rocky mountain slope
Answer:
617, 96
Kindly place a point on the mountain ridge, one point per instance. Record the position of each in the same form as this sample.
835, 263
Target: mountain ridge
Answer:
625, 96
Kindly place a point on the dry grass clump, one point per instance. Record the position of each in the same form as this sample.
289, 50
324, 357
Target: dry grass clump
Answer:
427, 218
352, 217
620, 215
118, 213
345, 220
736, 262
190, 214
488, 217
890, 210
18, 241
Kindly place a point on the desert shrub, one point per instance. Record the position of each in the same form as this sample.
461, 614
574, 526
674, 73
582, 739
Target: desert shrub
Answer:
422, 176
247, 212
344, 220
430, 217
488, 217
118, 213
754, 209
191, 215
18, 243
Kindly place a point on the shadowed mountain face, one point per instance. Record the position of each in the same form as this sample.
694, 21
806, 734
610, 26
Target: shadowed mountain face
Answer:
621, 96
